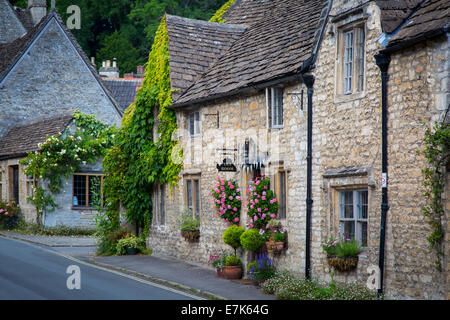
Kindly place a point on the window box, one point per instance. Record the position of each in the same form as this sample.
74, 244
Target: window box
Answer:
342, 264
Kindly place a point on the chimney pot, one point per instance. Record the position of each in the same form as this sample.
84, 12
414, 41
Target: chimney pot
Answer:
114, 63
108, 63
38, 9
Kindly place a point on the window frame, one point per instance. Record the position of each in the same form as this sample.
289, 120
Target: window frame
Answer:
196, 124
159, 202
353, 82
356, 219
274, 106
196, 207
87, 175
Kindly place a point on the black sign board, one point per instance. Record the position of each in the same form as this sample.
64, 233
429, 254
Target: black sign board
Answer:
227, 166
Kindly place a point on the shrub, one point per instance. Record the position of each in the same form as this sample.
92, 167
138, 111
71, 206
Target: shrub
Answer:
131, 242
232, 237
252, 240
227, 199
107, 244
233, 261
262, 269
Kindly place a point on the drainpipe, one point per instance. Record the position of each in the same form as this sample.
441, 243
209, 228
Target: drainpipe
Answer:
383, 61
308, 80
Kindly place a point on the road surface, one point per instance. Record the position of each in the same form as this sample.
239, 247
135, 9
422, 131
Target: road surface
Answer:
28, 271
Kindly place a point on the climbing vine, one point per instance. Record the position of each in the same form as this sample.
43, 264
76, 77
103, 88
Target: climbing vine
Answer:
137, 161
217, 17
437, 153
60, 156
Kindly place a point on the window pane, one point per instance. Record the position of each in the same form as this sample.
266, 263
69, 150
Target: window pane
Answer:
279, 106
79, 190
361, 59
197, 123
348, 229
346, 204
95, 189
269, 106
191, 124
197, 198
348, 61
189, 194
362, 204
282, 195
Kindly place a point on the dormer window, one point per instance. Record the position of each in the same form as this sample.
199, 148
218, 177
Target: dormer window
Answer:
274, 107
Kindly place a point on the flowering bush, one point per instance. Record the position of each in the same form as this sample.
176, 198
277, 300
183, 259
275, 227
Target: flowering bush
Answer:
262, 205
227, 199
329, 247
261, 269
9, 213
342, 248
218, 260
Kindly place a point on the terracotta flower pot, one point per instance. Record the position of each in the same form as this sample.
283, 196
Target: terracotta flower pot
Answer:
279, 245
220, 272
270, 246
342, 263
232, 272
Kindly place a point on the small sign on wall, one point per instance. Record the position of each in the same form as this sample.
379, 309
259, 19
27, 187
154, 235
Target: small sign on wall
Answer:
226, 166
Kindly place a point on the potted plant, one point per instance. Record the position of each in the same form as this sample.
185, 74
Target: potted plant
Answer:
130, 245
218, 262
342, 255
279, 238
189, 226
232, 268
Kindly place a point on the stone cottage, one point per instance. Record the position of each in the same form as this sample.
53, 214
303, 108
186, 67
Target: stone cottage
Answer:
329, 99
44, 78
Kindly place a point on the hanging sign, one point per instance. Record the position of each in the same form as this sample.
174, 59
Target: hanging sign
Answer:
226, 166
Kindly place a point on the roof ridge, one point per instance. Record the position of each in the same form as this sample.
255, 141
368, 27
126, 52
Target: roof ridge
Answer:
207, 23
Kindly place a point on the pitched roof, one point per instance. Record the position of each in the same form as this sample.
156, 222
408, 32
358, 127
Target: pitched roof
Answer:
394, 12
12, 52
11, 26
273, 47
23, 139
431, 19
124, 91
194, 45
248, 11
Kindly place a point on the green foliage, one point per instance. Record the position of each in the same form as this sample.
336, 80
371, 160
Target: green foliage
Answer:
227, 199
437, 154
252, 240
341, 248
261, 269
187, 221
217, 17
9, 214
131, 242
232, 237
279, 236
286, 286
62, 155
233, 261
218, 260
25, 227
107, 242
348, 248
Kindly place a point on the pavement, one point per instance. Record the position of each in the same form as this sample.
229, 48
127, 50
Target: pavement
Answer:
168, 271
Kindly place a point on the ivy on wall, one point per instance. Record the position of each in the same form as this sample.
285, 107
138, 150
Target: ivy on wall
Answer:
217, 17
62, 155
136, 162
437, 154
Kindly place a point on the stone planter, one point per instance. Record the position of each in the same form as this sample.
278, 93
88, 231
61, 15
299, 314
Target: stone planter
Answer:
232, 272
190, 235
342, 263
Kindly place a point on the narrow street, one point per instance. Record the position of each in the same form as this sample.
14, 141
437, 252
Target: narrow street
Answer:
30, 272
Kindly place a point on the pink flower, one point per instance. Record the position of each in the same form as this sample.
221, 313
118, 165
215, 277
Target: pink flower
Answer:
238, 190
1, 210
238, 198
259, 209
263, 216
234, 209
236, 219
255, 218
265, 187
8, 205
217, 191
256, 200
229, 206
272, 216
222, 188
6, 213
251, 225
230, 197
266, 209
231, 186
263, 198
251, 207
222, 182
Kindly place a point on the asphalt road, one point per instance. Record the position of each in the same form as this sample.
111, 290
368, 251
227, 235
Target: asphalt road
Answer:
28, 271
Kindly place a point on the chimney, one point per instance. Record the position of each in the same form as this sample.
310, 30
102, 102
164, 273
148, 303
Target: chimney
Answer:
93, 61
109, 71
38, 9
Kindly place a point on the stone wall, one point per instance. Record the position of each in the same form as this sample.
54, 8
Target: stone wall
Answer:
50, 79
239, 118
